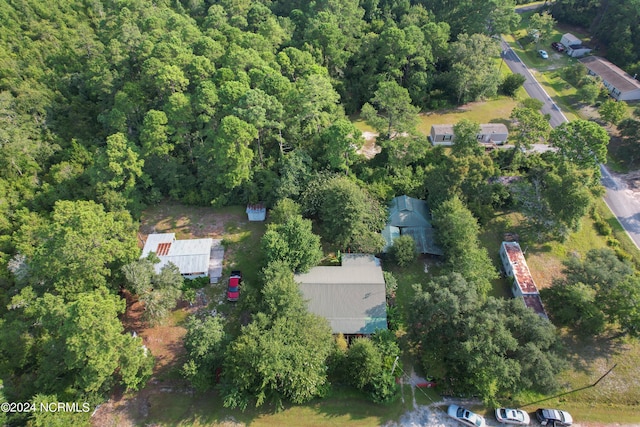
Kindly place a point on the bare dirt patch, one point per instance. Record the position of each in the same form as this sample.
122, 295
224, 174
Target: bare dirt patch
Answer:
369, 149
189, 222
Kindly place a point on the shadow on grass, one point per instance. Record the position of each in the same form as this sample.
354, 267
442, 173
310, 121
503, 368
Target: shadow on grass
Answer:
342, 406
583, 351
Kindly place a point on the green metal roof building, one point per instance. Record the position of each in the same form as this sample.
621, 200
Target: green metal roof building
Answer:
409, 216
351, 296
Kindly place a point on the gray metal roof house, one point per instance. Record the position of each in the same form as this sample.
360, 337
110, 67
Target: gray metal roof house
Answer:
621, 85
193, 257
409, 216
350, 296
490, 133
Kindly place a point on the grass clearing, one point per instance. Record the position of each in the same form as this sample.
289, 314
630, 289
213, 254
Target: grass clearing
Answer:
617, 398
341, 407
493, 111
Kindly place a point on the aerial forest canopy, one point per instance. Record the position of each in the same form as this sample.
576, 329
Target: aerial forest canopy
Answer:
128, 102
110, 106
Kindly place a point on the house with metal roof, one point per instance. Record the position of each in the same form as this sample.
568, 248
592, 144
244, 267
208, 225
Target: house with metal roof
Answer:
621, 85
409, 216
490, 133
515, 266
350, 296
193, 257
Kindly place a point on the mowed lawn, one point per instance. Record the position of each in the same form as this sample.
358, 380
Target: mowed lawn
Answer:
492, 111
617, 398
342, 407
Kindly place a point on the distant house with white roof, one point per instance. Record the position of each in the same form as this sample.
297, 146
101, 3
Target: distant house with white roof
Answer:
193, 257
574, 46
523, 285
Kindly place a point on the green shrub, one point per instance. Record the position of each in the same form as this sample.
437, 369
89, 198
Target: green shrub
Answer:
404, 250
602, 227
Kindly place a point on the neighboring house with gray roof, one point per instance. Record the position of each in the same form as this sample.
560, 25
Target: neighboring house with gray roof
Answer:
409, 216
490, 133
351, 296
621, 85
193, 257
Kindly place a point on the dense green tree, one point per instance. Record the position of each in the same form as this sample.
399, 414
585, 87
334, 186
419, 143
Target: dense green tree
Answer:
588, 91
57, 418
575, 74
541, 26
466, 143
554, 198
573, 304
292, 242
511, 83
611, 294
315, 107
613, 111
283, 210
630, 133
404, 250
368, 372
390, 111
205, 342
616, 29
153, 137
76, 347
349, 216
473, 74
531, 127
465, 177
263, 111
582, 142
490, 17
280, 356
159, 292
90, 246
457, 233
485, 347
116, 171
227, 157
340, 141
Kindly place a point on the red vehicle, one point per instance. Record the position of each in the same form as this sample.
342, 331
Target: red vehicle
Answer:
233, 290
557, 46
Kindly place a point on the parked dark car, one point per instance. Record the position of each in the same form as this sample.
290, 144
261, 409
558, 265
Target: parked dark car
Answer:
233, 290
557, 46
554, 417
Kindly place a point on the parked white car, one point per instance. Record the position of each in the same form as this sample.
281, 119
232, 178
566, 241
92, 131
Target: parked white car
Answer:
465, 416
512, 416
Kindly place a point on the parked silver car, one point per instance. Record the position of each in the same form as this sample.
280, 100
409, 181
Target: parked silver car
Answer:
465, 416
512, 416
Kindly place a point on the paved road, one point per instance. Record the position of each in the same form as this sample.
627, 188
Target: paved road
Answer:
532, 86
620, 200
